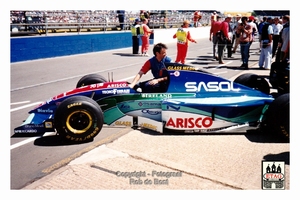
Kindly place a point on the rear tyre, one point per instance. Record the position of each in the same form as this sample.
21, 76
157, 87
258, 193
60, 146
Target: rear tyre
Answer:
78, 119
90, 79
254, 81
277, 118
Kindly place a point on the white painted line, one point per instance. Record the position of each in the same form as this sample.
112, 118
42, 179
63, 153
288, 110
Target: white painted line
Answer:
221, 72
125, 79
25, 106
21, 102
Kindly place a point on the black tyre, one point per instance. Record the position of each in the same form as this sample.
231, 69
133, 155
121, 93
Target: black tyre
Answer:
277, 117
254, 81
90, 79
78, 119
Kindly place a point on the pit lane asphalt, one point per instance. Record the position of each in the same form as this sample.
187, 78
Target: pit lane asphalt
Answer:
230, 161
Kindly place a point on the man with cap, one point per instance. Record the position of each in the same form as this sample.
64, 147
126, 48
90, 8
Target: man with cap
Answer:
136, 31
254, 26
183, 37
265, 57
225, 27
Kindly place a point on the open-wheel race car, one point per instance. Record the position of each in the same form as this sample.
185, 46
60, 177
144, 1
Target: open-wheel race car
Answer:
194, 101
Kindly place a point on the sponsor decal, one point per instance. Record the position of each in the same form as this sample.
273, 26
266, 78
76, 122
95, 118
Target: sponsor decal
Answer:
26, 131
213, 86
45, 111
176, 73
48, 125
273, 175
148, 126
98, 85
123, 123
151, 112
116, 91
191, 122
152, 104
75, 104
114, 85
124, 106
156, 95
189, 68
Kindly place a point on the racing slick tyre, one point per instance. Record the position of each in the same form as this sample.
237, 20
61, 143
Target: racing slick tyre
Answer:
277, 117
90, 79
78, 119
254, 81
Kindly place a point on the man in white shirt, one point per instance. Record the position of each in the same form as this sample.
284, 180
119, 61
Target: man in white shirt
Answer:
277, 27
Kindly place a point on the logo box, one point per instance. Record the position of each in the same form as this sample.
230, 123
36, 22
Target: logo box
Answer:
273, 177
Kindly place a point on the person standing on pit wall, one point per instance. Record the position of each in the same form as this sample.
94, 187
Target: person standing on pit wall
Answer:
265, 56
196, 18
156, 64
145, 37
145, 15
121, 17
214, 28
183, 37
136, 30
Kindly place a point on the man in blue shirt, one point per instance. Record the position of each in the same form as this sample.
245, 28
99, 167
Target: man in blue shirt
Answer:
157, 66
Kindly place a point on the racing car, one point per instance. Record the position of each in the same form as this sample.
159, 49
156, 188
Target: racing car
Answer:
194, 101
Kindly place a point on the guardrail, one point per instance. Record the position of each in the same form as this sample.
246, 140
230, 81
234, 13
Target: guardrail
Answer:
45, 28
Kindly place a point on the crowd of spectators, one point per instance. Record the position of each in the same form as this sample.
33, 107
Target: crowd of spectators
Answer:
102, 16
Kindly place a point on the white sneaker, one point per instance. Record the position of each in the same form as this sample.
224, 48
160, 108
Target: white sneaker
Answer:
147, 55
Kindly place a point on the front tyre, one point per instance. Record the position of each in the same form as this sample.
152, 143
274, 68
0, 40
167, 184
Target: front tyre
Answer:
90, 79
78, 119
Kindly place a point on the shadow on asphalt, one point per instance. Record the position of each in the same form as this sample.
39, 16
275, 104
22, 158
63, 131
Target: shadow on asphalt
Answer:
284, 156
55, 140
127, 54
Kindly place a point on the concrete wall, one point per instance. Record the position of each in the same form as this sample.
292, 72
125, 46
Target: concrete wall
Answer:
38, 47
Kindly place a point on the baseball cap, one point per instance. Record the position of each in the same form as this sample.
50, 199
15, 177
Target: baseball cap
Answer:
228, 16
251, 18
137, 20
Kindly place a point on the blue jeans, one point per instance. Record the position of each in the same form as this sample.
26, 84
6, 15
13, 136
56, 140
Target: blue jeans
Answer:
245, 47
